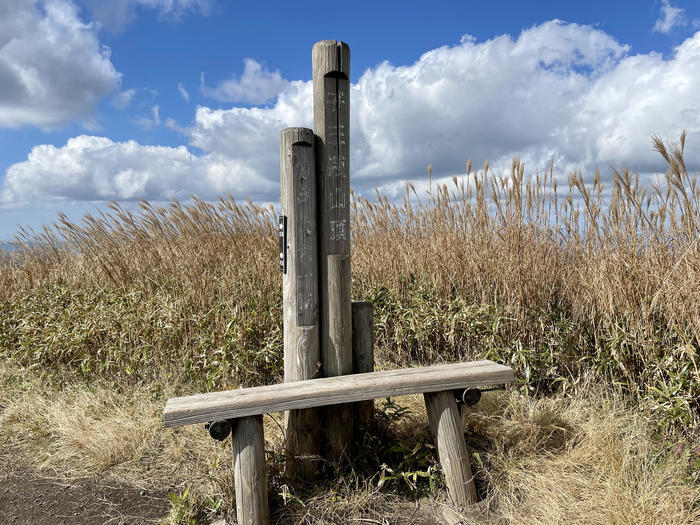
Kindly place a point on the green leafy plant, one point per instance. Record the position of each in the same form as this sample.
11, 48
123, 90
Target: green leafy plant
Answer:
190, 509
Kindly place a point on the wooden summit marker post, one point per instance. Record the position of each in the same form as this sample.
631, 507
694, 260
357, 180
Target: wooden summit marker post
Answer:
299, 262
331, 86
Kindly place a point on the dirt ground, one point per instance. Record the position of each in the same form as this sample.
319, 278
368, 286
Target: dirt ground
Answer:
29, 498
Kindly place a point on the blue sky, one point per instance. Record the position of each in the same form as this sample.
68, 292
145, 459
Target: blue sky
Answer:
127, 99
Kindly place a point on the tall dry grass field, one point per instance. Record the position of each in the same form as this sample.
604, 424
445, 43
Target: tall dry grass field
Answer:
587, 288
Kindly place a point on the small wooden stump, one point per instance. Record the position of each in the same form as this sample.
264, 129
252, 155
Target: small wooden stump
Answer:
250, 479
445, 425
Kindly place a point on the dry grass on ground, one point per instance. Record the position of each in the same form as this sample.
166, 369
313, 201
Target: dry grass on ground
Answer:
590, 460
591, 293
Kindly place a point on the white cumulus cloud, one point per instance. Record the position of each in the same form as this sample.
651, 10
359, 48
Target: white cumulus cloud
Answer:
98, 169
489, 100
558, 92
255, 86
52, 68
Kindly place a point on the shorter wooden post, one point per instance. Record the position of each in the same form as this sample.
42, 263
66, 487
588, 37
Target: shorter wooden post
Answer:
444, 419
250, 479
362, 355
299, 259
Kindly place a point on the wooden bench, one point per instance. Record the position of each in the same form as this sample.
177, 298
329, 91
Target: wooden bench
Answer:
244, 408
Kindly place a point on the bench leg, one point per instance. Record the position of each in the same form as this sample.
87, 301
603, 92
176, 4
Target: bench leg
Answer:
444, 419
249, 475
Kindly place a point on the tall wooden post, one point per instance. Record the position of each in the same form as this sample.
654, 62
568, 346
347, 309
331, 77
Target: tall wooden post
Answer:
331, 86
362, 355
299, 261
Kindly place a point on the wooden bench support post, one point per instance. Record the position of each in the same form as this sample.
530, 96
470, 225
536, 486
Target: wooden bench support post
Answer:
249, 473
445, 425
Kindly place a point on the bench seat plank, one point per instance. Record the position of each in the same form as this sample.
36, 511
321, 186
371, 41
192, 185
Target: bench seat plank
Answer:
231, 404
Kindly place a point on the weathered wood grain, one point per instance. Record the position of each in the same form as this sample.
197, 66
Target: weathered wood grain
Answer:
300, 292
331, 89
336, 355
331, 73
250, 479
362, 355
298, 202
336, 351
448, 435
324, 391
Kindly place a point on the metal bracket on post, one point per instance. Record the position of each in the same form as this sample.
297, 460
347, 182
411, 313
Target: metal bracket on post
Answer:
471, 396
282, 235
219, 430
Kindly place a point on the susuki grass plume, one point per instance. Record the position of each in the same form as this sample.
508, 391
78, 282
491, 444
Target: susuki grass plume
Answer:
597, 278
589, 289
